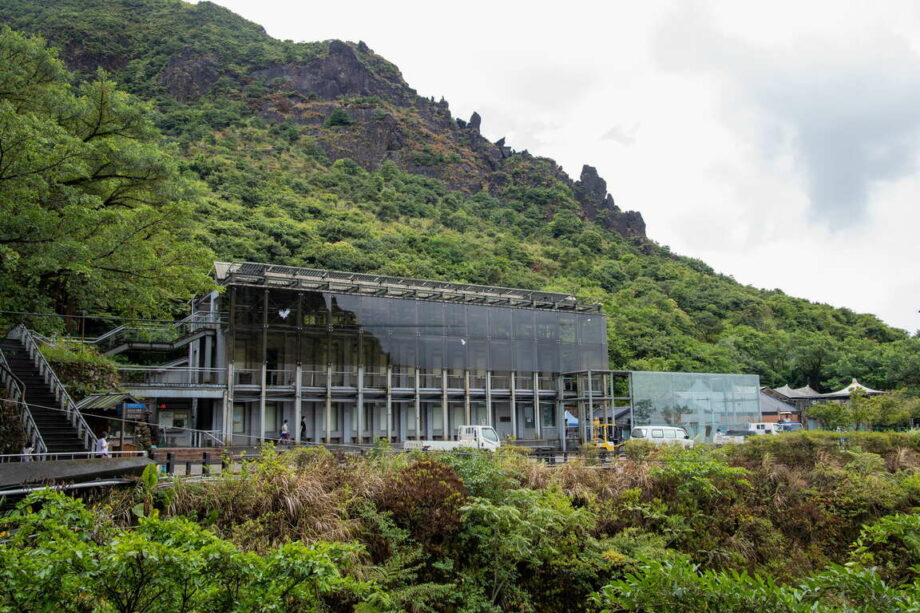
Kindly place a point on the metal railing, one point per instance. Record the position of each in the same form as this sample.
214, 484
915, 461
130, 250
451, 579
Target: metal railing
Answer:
150, 333
84, 433
171, 376
66, 455
17, 391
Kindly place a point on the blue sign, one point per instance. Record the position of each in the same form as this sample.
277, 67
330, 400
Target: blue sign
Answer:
135, 405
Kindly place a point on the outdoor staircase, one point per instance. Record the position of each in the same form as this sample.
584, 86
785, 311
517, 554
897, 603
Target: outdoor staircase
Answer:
59, 434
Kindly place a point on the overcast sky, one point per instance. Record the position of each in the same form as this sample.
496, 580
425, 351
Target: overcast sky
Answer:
778, 141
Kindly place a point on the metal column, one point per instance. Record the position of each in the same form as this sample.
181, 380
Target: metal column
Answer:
537, 416
418, 408
444, 413
389, 391
489, 398
298, 399
514, 420
328, 419
466, 397
360, 404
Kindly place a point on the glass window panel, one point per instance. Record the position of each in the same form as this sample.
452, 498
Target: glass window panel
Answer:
524, 357
500, 356
499, 323
567, 329
477, 322
547, 325
523, 324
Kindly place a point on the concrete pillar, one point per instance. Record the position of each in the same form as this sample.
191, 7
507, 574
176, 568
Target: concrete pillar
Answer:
514, 415
537, 420
360, 404
328, 420
418, 408
389, 391
466, 397
262, 396
489, 421
298, 400
560, 411
444, 412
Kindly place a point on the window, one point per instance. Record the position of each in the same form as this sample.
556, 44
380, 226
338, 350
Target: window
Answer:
489, 435
670, 434
638, 433
657, 433
239, 419
549, 415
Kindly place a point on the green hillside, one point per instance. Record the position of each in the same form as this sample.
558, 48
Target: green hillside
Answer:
319, 154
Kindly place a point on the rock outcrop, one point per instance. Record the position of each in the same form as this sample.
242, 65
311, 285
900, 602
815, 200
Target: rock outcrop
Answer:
598, 205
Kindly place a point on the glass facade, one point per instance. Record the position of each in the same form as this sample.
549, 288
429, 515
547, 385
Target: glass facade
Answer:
699, 402
318, 329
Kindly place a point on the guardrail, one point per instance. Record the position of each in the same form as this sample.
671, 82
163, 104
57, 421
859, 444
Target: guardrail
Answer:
65, 455
175, 376
17, 390
57, 388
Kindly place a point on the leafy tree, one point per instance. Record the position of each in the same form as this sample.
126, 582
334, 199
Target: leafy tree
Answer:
95, 214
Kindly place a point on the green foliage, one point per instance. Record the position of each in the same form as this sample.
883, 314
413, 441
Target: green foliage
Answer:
82, 369
57, 558
338, 117
96, 215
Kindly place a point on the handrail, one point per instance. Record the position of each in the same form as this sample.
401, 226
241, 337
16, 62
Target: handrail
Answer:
57, 388
18, 391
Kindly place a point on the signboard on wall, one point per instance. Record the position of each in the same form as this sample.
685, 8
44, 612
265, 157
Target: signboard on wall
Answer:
133, 410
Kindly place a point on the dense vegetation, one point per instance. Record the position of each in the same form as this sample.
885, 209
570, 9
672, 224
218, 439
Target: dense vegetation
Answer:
240, 169
795, 522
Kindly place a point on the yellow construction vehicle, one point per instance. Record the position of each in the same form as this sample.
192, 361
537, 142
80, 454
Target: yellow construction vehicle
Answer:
607, 436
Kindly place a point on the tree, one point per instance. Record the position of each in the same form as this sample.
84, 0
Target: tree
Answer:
96, 216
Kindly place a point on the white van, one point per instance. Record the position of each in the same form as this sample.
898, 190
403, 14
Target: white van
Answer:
663, 435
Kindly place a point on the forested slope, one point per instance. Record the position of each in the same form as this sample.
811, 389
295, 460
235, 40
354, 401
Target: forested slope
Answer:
319, 154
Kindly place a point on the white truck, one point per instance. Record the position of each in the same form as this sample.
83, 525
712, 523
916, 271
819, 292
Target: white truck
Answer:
476, 437
765, 428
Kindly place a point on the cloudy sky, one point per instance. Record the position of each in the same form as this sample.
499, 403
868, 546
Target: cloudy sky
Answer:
776, 141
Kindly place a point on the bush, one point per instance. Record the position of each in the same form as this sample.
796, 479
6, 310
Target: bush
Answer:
82, 369
425, 498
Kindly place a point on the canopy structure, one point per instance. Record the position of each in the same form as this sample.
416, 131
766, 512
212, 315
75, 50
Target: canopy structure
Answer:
807, 393
854, 386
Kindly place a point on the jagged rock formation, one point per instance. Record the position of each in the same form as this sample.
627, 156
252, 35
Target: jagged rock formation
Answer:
598, 205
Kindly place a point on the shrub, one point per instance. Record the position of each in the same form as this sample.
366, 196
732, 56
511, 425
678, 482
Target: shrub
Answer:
425, 498
338, 117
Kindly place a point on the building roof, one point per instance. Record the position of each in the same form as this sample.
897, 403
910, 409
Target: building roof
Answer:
312, 279
771, 404
797, 393
854, 385
805, 393
103, 402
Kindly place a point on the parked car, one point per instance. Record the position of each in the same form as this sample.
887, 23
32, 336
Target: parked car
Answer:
732, 436
663, 435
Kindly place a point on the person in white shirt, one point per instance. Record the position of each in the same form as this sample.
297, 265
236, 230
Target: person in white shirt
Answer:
102, 446
285, 433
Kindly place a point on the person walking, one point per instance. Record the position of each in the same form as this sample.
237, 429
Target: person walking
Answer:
102, 446
303, 429
285, 433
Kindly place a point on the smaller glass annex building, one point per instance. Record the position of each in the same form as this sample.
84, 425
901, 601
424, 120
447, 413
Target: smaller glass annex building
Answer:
701, 403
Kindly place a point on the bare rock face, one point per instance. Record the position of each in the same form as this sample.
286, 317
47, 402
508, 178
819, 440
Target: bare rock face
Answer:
189, 75
340, 74
598, 205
